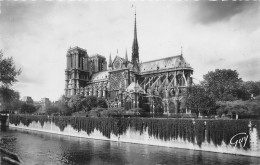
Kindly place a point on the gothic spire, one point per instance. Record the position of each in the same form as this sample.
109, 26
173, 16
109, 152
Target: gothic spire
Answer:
126, 57
110, 61
135, 48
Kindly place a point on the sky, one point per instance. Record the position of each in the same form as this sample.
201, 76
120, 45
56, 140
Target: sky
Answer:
213, 35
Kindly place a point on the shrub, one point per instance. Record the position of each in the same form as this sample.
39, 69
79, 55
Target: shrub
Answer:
101, 102
27, 108
113, 112
52, 109
79, 103
96, 112
134, 112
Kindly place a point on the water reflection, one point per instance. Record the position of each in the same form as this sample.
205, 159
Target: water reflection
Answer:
40, 148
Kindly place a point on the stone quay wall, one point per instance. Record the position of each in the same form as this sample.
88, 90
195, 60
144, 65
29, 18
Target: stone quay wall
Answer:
132, 135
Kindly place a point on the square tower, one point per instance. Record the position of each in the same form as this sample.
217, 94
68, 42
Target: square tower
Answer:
77, 71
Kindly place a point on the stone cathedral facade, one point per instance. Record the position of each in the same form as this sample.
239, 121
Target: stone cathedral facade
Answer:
157, 85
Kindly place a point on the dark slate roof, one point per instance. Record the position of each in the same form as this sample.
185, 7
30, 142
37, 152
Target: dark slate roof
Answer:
99, 76
164, 63
135, 87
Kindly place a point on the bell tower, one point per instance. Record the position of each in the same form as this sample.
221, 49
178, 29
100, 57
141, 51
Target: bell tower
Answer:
77, 71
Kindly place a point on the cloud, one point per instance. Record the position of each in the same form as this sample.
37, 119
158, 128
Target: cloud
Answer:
24, 78
216, 61
249, 69
208, 12
43, 31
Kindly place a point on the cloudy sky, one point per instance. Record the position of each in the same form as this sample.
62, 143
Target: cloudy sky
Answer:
213, 35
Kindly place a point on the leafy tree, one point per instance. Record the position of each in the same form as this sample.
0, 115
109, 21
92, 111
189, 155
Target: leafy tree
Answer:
62, 106
198, 100
27, 108
252, 87
75, 103
90, 101
242, 92
239, 107
223, 84
9, 99
8, 71
101, 103
81, 103
52, 109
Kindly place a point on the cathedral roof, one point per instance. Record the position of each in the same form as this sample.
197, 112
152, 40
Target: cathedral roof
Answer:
164, 63
135, 87
99, 76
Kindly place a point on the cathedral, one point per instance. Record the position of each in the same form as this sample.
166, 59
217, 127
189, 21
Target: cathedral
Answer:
157, 85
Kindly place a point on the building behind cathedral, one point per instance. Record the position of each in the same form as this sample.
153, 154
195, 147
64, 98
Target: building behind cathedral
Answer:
157, 85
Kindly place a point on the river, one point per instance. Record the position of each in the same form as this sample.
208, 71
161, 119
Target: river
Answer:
52, 149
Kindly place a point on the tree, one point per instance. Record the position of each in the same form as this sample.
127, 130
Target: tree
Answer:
52, 109
27, 108
243, 92
81, 103
223, 84
62, 106
75, 103
252, 87
101, 103
8, 71
198, 100
90, 102
9, 99
239, 107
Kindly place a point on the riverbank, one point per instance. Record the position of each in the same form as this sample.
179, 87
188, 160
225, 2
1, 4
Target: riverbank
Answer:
224, 136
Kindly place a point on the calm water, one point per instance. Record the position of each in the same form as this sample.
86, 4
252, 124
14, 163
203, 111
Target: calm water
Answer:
41, 148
